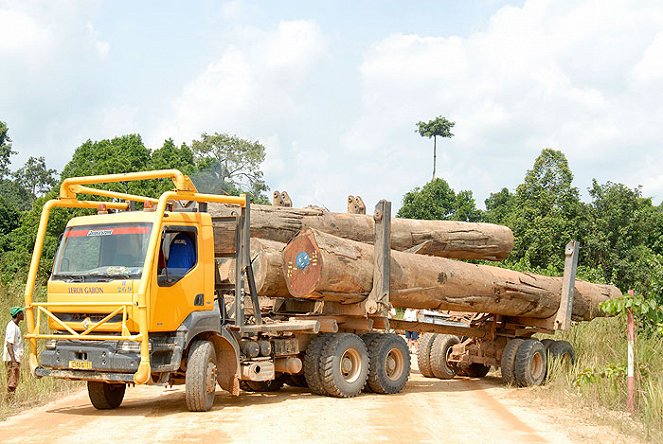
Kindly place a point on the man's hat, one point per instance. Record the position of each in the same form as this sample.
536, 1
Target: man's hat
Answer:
15, 311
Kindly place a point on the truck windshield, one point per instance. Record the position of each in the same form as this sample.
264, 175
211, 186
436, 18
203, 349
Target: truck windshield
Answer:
97, 253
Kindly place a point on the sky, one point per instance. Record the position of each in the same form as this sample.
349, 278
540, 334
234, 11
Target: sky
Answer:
334, 89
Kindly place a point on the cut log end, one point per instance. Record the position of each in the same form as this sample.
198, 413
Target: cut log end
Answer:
302, 265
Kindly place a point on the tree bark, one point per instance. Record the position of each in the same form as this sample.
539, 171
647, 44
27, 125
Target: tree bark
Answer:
452, 239
326, 267
267, 261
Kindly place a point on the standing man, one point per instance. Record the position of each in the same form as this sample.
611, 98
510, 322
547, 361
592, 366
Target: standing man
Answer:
13, 350
411, 336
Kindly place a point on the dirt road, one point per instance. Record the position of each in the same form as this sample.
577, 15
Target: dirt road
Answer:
428, 411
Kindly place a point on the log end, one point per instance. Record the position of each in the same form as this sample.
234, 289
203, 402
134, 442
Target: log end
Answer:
302, 265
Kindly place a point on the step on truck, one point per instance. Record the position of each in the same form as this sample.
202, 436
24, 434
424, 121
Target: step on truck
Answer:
135, 297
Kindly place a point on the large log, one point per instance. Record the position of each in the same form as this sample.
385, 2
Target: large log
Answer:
322, 266
267, 261
458, 240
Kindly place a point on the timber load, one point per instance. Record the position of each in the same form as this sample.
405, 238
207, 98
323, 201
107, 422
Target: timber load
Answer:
321, 266
450, 239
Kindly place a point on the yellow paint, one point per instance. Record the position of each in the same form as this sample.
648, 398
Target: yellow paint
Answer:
143, 305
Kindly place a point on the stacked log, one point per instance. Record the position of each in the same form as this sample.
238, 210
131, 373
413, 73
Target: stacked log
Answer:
318, 265
451, 239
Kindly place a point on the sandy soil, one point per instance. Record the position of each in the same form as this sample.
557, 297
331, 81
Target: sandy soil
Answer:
427, 411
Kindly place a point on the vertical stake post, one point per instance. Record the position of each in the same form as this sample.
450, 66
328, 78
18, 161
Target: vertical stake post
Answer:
377, 302
631, 357
563, 317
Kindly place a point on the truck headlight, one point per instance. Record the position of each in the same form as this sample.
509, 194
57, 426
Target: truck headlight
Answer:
130, 346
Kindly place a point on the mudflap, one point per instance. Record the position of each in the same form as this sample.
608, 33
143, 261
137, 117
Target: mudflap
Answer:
227, 361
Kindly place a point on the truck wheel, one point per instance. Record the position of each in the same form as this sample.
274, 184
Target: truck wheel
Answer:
389, 366
200, 376
105, 396
563, 351
344, 365
439, 353
474, 370
266, 386
312, 371
423, 357
547, 342
531, 363
368, 339
507, 365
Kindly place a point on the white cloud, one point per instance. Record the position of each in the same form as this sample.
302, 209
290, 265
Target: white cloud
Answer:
253, 86
567, 75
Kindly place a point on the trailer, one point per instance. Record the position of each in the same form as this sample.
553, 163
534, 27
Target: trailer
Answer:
135, 297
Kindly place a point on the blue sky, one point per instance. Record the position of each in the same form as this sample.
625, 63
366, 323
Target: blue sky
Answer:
333, 89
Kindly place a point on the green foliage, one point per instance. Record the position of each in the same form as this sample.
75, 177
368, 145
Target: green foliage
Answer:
229, 164
35, 177
438, 201
5, 150
647, 312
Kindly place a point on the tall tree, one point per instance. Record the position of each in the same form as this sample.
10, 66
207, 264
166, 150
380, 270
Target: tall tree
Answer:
438, 127
233, 161
35, 177
5, 150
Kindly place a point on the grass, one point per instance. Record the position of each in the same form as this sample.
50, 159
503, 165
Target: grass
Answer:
598, 379
31, 391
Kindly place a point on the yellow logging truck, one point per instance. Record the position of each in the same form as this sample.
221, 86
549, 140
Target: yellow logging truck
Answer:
135, 297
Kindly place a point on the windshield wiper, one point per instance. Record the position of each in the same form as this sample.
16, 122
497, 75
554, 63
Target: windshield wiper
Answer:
69, 277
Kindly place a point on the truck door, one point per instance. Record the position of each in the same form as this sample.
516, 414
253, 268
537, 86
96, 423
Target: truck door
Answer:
180, 279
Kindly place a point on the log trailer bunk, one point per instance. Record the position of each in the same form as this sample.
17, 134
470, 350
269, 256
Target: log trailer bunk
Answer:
127, 320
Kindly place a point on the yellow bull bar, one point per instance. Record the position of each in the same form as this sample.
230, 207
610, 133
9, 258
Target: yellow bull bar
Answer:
69, 190
84, 335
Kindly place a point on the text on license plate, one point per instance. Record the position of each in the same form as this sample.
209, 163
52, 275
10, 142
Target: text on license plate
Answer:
81, 365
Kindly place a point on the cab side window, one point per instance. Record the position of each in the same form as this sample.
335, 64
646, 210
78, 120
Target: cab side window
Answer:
178, 254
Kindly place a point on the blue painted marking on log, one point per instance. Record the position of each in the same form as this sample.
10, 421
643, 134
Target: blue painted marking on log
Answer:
302, 260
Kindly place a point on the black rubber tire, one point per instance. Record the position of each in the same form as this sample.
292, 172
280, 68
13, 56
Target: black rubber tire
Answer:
438, 357
200, 376
423, 357
312, 372
266, 386
105, 396
344, 365
531, 363
296, 380
368, 339
474, 370
547, 343
389, 367
563, 351
508, 362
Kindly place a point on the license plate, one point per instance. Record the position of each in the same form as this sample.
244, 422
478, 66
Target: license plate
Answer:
80, 365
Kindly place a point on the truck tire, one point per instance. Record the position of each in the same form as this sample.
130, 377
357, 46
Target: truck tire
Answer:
438, 357
563, 351
530, 367
423, 357
389, 366
344, 365
508, 362
474, 370
312, 371
105, 396
368, 339
265, 386
200, 376
547, 342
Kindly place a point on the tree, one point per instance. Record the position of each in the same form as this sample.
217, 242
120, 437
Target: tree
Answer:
230, 161
499, 206
439, 126
547, 212
35, 178
438, 201
5, 150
